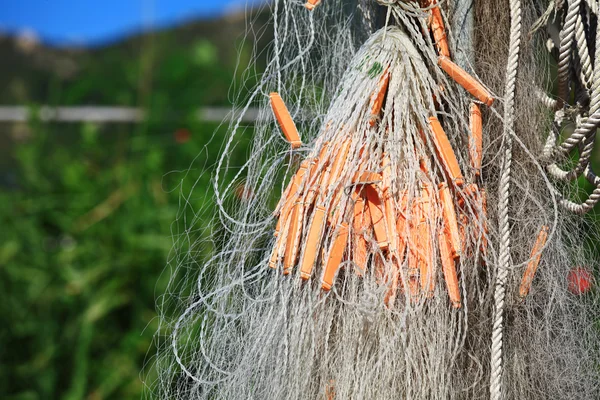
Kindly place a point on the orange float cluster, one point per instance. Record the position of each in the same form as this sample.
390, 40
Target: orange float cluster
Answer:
404, 236
411, 232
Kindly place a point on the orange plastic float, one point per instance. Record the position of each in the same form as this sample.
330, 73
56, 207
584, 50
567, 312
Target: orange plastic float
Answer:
378, 97
362, 227
294, 232
450, 221
465, 80
376, 208
476, 139
288, 127
449, 270
311, 4
445, 152
436, 25
532, 266
336, 254
426, 218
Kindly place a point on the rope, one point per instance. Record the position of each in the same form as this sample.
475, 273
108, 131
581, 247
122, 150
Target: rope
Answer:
591, 123
573, 38
564, 58
592, 199
584, 53
504, 195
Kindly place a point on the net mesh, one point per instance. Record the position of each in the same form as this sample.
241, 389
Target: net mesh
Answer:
234, 327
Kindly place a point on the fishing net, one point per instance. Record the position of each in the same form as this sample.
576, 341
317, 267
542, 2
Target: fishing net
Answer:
390, 251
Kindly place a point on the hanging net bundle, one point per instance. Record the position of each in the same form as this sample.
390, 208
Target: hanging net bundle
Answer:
407, 227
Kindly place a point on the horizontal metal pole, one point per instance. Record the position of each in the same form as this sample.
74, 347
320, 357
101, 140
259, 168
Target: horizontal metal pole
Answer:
109, 114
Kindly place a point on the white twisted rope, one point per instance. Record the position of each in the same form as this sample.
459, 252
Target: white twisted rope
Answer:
591, 123
584, 53
573, 39
504, 195
592, 199
564, 58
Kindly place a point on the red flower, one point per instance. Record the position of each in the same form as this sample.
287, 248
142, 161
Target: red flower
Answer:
182, 135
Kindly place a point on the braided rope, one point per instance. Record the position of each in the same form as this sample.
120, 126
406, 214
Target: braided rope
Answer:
583, 137
591, 123
504, 195
564, 58
584, 53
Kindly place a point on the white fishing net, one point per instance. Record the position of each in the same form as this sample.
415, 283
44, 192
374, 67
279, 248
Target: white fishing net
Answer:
244, 323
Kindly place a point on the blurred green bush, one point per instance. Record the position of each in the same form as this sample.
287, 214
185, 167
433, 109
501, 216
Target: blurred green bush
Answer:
84, 239
89, 213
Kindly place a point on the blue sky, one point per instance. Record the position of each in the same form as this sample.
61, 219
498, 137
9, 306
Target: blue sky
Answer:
89, 22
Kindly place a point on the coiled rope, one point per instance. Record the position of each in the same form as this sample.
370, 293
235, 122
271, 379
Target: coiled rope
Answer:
575, 71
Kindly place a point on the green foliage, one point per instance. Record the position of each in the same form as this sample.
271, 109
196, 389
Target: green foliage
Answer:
89, 213
85, 237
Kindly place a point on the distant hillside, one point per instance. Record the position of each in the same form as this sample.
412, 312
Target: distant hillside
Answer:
191, 63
